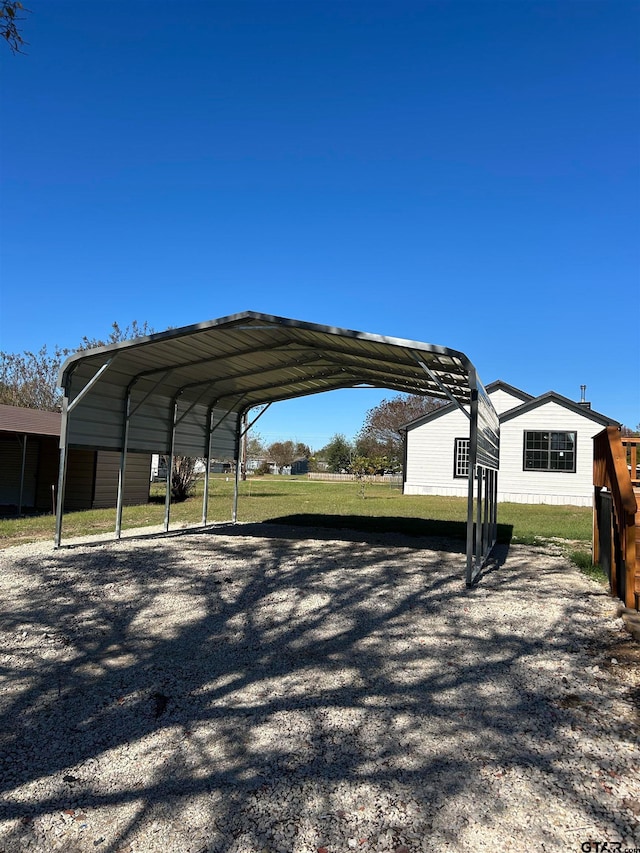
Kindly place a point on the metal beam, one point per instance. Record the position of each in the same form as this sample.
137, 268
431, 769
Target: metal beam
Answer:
207, 464
256, 419
441, 386
172, 444
236, 486
473, 453
94, 379
123, 459
62, 472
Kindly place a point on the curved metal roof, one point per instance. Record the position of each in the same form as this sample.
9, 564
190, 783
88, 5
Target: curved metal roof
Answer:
216, 371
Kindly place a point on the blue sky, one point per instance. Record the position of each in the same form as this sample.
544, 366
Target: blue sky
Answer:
460, 173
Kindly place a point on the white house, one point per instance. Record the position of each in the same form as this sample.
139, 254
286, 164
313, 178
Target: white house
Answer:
546, 449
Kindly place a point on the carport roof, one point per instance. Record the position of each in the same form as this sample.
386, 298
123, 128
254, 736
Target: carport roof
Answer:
250, 358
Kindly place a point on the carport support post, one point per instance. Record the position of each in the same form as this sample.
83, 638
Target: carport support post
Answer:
167, 500
123, 462
236, 486
207, 462
473, 453
62, 472
64, 438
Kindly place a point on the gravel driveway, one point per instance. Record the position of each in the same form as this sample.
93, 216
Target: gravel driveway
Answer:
264, 688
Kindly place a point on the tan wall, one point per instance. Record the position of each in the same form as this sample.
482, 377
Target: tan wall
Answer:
137, 479
47, 471
80, 473
92, 477
11, 469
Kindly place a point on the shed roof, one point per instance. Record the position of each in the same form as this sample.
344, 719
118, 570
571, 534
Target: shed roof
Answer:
16, 419
232, 364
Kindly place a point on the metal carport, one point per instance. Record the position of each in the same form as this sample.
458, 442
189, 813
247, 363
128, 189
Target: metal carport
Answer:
187, 391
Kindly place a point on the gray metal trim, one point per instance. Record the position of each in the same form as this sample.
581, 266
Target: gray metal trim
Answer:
123, 460
71, 406
272, 322
62, 473
167, 499
442, 387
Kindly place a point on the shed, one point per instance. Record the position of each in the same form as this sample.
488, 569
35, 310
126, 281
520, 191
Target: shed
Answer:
29, 463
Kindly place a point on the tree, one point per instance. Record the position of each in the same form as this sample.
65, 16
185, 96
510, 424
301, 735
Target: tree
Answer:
627, 432
282, 453
29, 379
302, 451
183, 477
362, 467
117, 335
337, 454
255, 446
9, 21
381, 434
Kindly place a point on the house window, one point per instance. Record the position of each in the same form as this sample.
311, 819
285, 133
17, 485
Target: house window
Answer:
461, 458
550, 451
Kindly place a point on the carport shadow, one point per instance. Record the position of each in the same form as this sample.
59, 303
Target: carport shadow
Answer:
429, 534
371, 527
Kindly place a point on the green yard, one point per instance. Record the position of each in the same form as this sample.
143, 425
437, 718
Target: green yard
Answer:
384, 507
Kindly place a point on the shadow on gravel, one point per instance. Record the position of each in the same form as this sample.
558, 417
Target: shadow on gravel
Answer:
238, 678
422, 527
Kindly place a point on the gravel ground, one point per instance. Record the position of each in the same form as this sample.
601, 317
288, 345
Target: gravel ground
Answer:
262, 688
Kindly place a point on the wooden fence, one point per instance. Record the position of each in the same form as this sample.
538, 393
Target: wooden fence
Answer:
388, 479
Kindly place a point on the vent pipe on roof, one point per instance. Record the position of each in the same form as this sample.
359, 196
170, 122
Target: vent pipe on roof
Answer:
583, 401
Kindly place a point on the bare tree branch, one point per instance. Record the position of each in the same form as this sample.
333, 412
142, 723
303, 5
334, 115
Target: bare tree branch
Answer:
9, 24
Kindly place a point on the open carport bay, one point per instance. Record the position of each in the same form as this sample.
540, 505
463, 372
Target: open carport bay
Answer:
265, 688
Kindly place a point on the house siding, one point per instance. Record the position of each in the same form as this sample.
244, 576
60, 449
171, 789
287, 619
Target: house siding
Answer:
430, 455
430, 449
551, 487
503, 401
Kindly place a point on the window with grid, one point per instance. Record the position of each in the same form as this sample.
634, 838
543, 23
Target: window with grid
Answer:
461, 457
550, 451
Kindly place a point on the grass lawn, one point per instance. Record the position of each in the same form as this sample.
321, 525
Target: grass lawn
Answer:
315, 502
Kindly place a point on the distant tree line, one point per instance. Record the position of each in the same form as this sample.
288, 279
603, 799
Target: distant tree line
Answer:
377, 448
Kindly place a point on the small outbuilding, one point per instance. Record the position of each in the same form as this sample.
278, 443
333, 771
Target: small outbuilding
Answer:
29, 462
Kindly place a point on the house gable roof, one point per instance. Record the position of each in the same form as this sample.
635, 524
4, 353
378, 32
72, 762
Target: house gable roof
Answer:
529, 403
499, 385
16, 419
424, 419
553, 397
